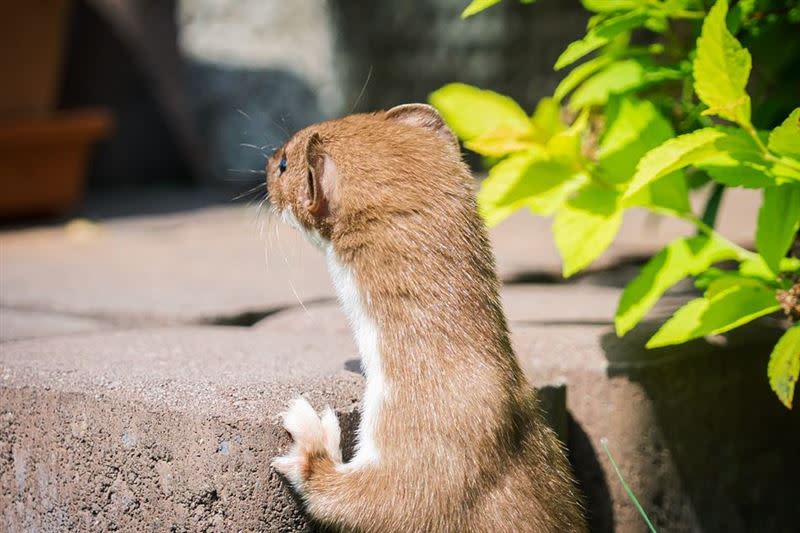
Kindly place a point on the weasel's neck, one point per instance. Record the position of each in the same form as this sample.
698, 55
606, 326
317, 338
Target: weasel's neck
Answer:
402, 311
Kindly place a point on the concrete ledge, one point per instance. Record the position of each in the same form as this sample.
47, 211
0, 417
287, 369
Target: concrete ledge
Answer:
172, 429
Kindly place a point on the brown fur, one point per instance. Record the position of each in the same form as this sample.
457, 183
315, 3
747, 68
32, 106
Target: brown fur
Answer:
462, 444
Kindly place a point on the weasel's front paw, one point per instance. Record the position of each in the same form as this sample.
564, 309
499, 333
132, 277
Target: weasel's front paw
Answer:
313, 436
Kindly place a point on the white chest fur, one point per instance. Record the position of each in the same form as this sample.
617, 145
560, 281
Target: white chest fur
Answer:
366, 335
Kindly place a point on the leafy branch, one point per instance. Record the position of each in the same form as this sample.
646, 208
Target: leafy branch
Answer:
622, 151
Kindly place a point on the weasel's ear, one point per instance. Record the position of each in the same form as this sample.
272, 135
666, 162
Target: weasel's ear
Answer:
423, 116
321, 176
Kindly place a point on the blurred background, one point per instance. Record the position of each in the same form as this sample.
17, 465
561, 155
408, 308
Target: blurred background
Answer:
102, 97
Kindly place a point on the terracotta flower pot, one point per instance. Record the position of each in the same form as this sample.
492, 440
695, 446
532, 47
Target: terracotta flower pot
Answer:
31, 49
43, 161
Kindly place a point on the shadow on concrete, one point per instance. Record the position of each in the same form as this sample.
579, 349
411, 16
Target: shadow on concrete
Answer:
590, 477
730, 448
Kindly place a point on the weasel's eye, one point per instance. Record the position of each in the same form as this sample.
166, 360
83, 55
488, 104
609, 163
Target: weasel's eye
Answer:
282, 165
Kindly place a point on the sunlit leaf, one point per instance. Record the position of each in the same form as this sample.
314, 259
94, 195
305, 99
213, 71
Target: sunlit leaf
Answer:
548, 202
778, 222
729, 155
502, 141
526, 180
722, 68
546, 120
470, 111
600, 35
566, 145
673, 155
633, 127
617, 78
667, 194
580, 73
585, 226
785, 139
739, 162
726, 310
733, 279
679, 259
476, 6
608, 6
784, 365
503, 178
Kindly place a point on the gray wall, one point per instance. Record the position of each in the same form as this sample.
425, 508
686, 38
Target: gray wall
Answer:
261, 69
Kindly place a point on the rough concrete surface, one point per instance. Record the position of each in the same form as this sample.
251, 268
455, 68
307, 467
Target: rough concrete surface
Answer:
161, 429
21, 324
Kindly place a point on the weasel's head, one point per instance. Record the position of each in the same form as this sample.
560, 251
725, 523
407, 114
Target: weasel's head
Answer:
365, 170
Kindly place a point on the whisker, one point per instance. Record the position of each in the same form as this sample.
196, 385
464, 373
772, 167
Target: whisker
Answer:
248, 171
288, 277
282, 128
245, 115
363, 89
254, 147
249, 191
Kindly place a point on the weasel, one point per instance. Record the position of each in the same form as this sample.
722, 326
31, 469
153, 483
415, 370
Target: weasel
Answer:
450, 438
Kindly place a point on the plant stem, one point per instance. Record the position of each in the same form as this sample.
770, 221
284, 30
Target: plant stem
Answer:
754, 134
710, 232
712, 205
783, 161
686, 14
769, 156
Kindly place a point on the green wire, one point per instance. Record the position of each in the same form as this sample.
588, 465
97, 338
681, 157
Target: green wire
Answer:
631, 495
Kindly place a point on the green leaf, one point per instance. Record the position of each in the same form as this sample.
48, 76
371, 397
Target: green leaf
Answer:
679, 259
566, 145
756, 267
608, 6
722, 68
784, 365
600, 35
673, 155
526, 180
726, 310
778, 221
729, 156
470, 111
785, 139
585, 226
548, 202
634, 127
738, 161
503, 178
733, 279
540, 177
502, 141
546, 120
578, 74
668, 194
476, 6
617, 78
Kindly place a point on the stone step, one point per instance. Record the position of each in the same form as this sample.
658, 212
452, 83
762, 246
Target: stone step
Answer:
174, 427
230, 265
